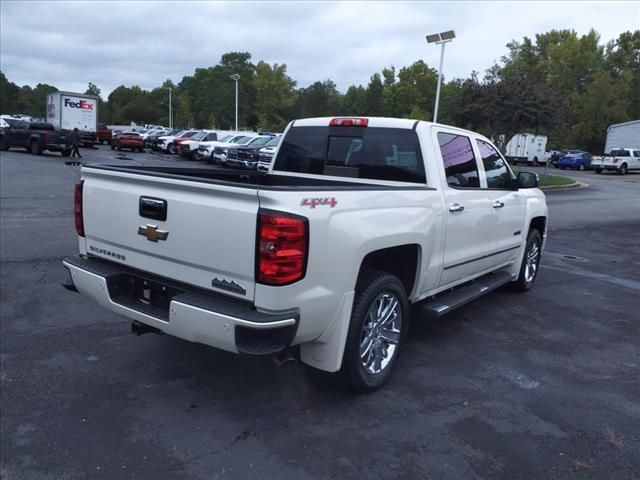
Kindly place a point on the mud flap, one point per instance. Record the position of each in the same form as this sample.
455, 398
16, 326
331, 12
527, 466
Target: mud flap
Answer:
326, 352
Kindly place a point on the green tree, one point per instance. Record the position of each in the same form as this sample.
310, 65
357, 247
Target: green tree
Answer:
274, 96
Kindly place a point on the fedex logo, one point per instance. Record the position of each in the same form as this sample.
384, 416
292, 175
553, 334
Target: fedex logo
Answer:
314, 202
82, 104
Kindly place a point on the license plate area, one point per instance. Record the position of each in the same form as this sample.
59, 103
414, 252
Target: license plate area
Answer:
142, 294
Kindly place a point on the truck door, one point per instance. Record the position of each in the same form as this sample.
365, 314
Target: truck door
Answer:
507, 206
467, 237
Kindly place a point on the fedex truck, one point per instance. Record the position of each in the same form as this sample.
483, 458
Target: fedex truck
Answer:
67, 110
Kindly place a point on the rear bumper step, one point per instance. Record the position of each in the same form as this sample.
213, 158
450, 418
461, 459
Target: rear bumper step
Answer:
181, 310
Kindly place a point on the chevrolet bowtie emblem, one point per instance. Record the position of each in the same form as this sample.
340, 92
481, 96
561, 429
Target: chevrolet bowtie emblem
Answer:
152, 233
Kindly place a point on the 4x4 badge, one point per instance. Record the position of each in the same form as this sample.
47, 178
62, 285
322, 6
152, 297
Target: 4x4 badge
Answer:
152, 233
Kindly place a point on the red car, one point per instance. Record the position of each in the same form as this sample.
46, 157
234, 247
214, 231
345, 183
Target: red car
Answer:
103, 134
130, 140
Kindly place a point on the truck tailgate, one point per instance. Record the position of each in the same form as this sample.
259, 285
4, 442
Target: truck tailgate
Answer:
207, 239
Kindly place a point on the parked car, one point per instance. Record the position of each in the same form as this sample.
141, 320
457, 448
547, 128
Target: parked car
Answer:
103, 134
221, 151
205, 148
246, 156
265, 154
188, 148
576, 160
323, 256
36, 137
619, 160
174, 146
129, 140
152, 139
165, 142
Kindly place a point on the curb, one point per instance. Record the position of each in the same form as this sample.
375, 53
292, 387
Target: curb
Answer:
571, 186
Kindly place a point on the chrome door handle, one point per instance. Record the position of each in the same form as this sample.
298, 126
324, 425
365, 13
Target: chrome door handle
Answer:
498, 204
456, 207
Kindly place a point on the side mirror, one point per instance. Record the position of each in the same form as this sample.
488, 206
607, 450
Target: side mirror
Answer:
527, 180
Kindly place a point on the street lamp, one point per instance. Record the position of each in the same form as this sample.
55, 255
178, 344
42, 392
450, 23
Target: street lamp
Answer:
236, 77
442, 39
170, 108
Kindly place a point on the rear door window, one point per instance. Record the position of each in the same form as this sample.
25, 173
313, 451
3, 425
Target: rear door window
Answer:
357, 152
459, 161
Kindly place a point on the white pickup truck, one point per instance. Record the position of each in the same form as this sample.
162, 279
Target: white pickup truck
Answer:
620, 160
357, 219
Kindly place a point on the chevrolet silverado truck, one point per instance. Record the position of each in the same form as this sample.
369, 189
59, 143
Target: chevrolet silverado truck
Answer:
357, 219
621, 160
35, 137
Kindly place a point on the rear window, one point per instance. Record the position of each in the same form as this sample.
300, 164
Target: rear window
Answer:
620, 153
355, 152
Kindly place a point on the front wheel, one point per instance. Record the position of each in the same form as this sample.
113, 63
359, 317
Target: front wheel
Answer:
530, 262
623, 169
598, 170
379, 318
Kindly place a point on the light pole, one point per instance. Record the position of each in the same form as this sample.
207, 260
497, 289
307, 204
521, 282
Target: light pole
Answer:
170, 108
236, 77
440, 38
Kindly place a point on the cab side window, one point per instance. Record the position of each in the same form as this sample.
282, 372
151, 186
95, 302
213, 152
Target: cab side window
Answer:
459, 161
495, 168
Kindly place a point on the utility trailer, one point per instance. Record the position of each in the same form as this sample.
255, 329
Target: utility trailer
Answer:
626, 135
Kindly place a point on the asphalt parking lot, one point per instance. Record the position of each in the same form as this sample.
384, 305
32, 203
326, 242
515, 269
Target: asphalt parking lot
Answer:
543, 385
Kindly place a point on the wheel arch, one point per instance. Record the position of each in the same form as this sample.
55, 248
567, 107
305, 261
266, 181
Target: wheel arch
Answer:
402, 261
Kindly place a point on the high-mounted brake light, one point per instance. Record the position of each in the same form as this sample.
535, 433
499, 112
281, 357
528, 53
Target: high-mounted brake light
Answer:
281, 256
77, 209
349, 122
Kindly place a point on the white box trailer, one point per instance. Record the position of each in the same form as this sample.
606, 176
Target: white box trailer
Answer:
68, 110
526, 148
623, 135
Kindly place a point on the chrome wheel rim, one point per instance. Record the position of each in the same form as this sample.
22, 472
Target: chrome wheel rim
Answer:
380, 333
531, 262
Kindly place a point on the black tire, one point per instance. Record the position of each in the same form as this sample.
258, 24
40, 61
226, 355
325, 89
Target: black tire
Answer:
598, 170
528, 270
34, 147
119, 148
3, 147
623, 169
65, 153
171, 148
535, 161
373, 287
113, 147
581, 167
140, 149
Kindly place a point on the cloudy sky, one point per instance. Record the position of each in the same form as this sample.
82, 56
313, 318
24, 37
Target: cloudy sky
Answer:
68, 44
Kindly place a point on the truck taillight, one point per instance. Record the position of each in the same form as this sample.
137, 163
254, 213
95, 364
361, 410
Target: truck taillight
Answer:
282, 246
77, 209
45, 137
349, 122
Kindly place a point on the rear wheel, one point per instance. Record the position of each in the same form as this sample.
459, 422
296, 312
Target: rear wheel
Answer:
535, 161
623, 169
598, 170
140, 149
113, 147
379, 318
35, 148
3, 147
530, 262
581, 167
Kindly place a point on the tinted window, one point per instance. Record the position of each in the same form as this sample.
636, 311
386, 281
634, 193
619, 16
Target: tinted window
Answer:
41, 126
620, 153
459, 161
373, 153
495, 168
636, 153
256, 142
